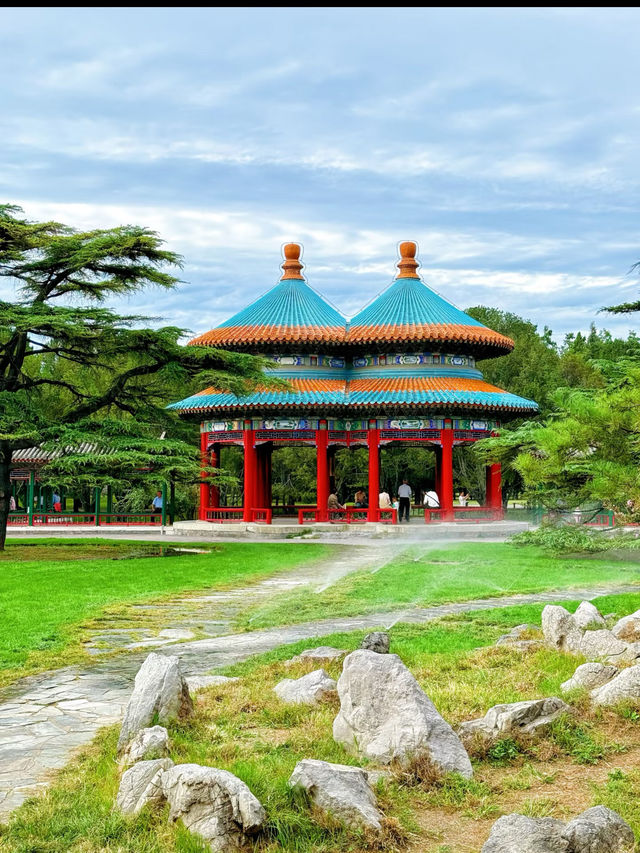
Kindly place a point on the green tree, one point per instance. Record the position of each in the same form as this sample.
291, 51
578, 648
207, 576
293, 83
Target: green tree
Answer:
587, 452
73, 372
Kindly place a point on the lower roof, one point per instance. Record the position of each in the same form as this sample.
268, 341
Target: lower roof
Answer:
368, 393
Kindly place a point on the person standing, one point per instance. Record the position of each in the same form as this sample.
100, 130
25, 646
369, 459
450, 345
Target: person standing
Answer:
157, 504
57, 502
463, 497
404, 500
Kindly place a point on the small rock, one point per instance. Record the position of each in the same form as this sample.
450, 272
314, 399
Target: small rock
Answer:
517, 718
628, 628
515, 833
147, 744
213, 804
588, 616
560, 629
343, 791
385, 716
588, 676
602, 645
624, 687
321, 653
374, 776
376, 641
200, 682
161, 691
599, 830
142, 784
308, 690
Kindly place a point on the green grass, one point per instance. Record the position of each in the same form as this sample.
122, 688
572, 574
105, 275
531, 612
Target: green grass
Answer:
43, 601
419, 577
244, 728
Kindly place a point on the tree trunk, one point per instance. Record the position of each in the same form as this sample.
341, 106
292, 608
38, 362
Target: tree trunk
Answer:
5, 489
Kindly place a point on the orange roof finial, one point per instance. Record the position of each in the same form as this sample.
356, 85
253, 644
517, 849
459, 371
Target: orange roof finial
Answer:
407, 264
292, 266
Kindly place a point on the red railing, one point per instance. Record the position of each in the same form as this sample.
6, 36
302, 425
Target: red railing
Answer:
126, 519
387, 516
305, 511
220, 514
261, 515
473, 514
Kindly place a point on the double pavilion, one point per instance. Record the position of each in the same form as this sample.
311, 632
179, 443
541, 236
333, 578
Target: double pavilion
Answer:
402, 371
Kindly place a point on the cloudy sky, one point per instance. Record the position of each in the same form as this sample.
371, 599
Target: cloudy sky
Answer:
506, 142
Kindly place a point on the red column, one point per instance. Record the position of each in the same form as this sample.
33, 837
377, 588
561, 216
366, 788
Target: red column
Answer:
204, 488
322, 470
249, 472
214, 461
446, 474
373, 438
494, 488
268, 452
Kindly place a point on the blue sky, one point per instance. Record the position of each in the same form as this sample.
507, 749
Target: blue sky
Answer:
504, 141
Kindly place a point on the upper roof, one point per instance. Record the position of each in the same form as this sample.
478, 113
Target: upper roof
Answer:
290, 312
408, 312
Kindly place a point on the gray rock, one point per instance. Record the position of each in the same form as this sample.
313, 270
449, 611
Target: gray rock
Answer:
147, 744
599, 830
517, 718
344, 792
602, 645
213, 804
515, 833
588, 676
159, 690
308, 690
200, 682
376, 641
321, 653
384, 715
560, 629
142, 784
624, 687
588, 616
628, 628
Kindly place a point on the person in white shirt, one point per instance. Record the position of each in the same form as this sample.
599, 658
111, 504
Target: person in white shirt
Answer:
431, 499
384, 500
463, 498
404, 499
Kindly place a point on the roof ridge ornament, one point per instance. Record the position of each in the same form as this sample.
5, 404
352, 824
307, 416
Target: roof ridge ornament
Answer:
292, 268
407, 265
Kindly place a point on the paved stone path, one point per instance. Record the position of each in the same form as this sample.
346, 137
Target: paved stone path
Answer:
45, 717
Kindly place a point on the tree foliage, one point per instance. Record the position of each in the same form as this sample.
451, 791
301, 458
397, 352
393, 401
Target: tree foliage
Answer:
75, 376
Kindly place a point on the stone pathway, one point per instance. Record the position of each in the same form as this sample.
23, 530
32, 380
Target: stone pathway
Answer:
45, 717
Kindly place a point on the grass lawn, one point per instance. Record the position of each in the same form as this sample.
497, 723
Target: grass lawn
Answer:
420, 577
588, 758
47, 589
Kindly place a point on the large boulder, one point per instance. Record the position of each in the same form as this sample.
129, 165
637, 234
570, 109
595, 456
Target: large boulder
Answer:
588, 616
377, 641
159, 691
308, 690
142, 784
344, 792
560, 629
531, 717
213, 804
628, 628
599, 830
588, 676
147, 744
385, 716
515, 833
624, 687
603, 646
